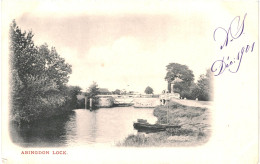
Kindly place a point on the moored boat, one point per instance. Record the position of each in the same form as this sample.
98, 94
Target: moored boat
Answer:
143, 126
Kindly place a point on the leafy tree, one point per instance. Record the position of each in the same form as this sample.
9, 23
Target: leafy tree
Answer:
71, 93
148, 90
22, 57
205, 89
190, 92
92, 92
38, 78
183, 74
23, 53
117, 92
54, 66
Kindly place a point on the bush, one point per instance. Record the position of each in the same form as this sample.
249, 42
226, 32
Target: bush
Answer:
203, 89
39, 77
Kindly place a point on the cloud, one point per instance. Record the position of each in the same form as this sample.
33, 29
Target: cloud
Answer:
121, 64
117, 51
127, 62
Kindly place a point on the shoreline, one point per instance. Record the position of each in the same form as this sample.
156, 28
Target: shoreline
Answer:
195, 127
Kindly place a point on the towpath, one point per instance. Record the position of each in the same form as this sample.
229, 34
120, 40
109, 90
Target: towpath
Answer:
194, 103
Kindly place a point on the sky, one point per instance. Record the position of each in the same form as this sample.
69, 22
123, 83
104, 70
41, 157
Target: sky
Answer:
125, 51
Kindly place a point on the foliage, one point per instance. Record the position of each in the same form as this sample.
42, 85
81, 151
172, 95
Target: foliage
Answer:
116, 92
148, 90
181, 73
71, 93
80, 104
189, 92
123, 92
194, 122
183, 79
54, 66
38, 78
204, 88
92, 92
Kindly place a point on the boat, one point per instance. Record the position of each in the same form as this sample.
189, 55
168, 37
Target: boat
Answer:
143, 126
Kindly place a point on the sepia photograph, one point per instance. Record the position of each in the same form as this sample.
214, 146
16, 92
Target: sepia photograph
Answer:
98, 91
129, 78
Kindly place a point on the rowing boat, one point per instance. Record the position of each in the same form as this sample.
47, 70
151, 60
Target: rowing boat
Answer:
143, 126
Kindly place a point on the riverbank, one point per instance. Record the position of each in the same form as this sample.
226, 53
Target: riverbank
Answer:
81, 127
108, 101
195, 126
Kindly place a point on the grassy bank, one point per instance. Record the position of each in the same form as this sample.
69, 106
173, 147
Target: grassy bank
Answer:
194, 121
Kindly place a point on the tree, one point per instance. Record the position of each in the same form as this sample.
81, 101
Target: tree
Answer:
204, 85
183, 74
148, 90
190, 92
117, 92
54, 66
92, 92
23, 53
38, 78
71, 93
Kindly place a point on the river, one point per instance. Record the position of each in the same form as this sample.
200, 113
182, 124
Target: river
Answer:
105, 126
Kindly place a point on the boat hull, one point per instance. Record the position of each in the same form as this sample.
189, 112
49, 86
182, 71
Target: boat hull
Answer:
150, 128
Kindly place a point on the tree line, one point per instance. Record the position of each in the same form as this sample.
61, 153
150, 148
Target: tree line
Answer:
182, 79
38, 78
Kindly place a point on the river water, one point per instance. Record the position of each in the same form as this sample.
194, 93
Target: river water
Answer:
105, 126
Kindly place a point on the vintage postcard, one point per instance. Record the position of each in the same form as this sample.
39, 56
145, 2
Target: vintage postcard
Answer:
93, 81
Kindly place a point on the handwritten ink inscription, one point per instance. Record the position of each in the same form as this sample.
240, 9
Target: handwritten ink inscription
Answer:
225, 36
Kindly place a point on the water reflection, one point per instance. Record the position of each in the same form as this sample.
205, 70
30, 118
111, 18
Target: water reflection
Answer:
51, 132
82, 127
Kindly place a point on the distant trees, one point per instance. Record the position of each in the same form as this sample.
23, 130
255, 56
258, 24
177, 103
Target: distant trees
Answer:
116, 92
123, 92
38, 79
148, 90
92, 92
182, 76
